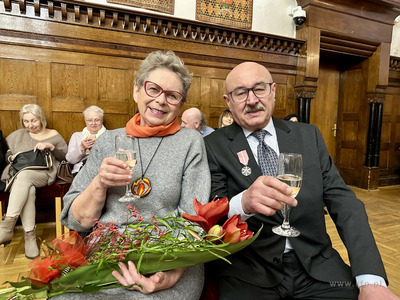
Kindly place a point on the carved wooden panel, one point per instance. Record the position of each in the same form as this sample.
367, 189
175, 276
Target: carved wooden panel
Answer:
18, 86
18, 82
68, 85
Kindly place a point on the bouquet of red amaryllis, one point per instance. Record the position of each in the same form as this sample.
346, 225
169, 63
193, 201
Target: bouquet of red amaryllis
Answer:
73, 264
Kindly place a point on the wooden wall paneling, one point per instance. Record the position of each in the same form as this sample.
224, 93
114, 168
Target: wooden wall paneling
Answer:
18, 87
324, 107
43, 86
378, 71
390, 140
391, 175
368, 19
280, 101
312, 35
206, 92
217, 102
68, 85
115, 95
146, 33
351, 31
87, 55
351, 134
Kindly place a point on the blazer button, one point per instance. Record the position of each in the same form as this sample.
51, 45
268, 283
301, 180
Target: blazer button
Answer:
276, 260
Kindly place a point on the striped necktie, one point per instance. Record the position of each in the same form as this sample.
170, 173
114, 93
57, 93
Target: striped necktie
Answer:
267, 157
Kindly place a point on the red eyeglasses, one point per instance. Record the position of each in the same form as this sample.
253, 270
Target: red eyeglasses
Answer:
154, 90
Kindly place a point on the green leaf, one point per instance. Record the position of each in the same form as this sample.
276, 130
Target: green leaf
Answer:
91, 278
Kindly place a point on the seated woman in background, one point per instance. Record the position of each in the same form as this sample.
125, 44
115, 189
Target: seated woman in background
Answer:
174, 161
225, 119
81, 142
34, 136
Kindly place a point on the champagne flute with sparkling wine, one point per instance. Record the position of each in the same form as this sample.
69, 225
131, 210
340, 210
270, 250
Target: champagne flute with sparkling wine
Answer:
290, 171
124, 151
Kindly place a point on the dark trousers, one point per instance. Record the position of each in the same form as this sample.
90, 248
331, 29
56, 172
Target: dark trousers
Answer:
296, 284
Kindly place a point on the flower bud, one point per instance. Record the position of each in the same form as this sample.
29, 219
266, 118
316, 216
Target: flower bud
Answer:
214, 231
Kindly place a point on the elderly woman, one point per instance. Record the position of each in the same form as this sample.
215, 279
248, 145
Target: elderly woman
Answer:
173, 159
36, 136
225, 119
82, 141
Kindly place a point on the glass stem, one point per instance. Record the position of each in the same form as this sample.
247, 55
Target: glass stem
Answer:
127, 191
285, 224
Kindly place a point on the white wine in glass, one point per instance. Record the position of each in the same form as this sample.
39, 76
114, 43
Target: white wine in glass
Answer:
125, 152
290, 171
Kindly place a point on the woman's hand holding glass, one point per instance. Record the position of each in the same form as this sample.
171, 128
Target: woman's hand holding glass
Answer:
89, 143
124, 151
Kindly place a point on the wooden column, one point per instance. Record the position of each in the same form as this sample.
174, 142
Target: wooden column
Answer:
370, 172
304, 98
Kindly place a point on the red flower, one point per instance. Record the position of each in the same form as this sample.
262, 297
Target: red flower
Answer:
208, 214
236, 231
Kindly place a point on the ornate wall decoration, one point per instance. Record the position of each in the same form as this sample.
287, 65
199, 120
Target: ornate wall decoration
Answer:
236, 13
165, 6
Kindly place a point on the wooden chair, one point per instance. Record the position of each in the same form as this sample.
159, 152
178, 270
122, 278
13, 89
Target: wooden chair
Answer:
56, 191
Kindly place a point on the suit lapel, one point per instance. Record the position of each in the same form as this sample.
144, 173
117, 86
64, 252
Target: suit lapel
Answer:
285, 139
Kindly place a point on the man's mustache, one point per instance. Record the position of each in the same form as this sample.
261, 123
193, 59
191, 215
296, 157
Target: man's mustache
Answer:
257, 107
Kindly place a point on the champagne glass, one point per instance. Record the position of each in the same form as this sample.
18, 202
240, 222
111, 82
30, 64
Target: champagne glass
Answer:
289, 171
124, 151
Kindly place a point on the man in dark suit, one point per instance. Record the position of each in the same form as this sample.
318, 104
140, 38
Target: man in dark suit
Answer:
276, 267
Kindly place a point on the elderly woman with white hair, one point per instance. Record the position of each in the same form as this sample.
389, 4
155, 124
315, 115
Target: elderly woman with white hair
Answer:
81, 142
33, 136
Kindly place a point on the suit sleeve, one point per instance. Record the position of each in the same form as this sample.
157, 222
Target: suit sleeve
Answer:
350, 217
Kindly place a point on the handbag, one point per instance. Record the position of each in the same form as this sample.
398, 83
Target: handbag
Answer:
64, 174
28, 160
31, 158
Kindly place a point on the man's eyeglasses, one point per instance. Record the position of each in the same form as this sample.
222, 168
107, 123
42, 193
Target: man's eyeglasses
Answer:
260, 90
154, 90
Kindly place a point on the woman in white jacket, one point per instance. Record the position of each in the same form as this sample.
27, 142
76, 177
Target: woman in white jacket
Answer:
82, 141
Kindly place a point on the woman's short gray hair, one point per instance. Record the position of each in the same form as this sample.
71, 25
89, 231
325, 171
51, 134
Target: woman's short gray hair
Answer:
167, 60
35, 110
95, 109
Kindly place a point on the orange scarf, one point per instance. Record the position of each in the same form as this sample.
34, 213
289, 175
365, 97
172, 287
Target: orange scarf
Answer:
133, 128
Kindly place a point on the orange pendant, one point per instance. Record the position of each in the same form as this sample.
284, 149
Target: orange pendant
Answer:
141, 187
